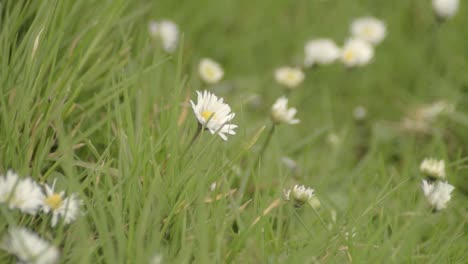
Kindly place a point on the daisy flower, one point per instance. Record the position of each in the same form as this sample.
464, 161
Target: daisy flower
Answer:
445, 8
299, 194
433, 168
280, 113
438, 194
356, 52
23, 194
210, 71
213, 114
28, 247
289, 77
369, 29
167, 32
321, 52
67, 208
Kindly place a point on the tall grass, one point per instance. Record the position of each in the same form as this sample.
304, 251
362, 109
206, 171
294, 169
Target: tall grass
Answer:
89, 98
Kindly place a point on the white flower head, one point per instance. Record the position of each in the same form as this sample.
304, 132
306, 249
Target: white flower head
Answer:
438, 194
60, 207
280, 113
369, 29
214, 114
23, 194
321, 52
356, 52
360, 113
210, 71
299, 194
433, 168
167, 32
28, 247
445, 8
289, 76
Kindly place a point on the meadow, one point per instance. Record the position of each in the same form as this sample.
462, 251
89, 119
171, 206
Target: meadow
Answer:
92, 102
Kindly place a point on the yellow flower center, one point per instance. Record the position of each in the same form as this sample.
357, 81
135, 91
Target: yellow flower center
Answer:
348, 55
207, 115
210, 72
368, 31
54, 201
291, 76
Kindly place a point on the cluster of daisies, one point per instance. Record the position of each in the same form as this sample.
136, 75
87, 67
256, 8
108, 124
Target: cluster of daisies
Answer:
435, 187
31, 198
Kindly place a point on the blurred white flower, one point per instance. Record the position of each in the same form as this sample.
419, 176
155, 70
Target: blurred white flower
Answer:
333, 139
23, 194
289, 163
445, 8
289, 77
214, 114
419, 119
156, 259
356, 52
210, 71
167, 32
369, 29
360, 113
28, 247
56, 203
299, 195
438, 194
321, 51
281, 114
433, 168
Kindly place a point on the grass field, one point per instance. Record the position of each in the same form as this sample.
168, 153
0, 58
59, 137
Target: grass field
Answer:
89, 98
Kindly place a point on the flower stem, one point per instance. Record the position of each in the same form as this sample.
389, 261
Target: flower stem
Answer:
267, 141
303, 224
194, 138
320, 218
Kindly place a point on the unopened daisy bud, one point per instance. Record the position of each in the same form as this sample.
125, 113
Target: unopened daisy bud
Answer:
299, 195
289, 77
438, 194
356, 52
60, 206
167, 32
23, 194
28, 247
321, 52
433, 168
445, 8
213, 114
280, 113
210, 71
369, 29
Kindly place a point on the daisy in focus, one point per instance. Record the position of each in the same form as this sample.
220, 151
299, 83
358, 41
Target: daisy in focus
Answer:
23, 194
299, 195
280, 113
210, 71
369, 29
445, 8
438, 194
321, 52
213, 114
356, 52
167, 32
28, 247
433, 168
60, 207
289, 77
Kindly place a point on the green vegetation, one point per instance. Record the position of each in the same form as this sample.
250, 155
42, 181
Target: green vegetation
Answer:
87, 97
